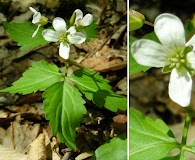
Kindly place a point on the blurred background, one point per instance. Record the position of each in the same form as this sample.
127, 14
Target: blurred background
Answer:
149, 90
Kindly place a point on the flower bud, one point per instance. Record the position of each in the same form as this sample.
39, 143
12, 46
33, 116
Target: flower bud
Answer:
136, 20
43, 21
72, 18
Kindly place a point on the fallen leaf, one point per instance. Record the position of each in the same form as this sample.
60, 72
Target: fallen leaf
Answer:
18, 135
84, 155
55, 150
10, 154
37, 150
120, 118
107, 61
122, 85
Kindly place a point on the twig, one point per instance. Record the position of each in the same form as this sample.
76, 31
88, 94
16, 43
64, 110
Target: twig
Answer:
100, 47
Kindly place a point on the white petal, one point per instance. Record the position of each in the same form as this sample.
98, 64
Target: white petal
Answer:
34, 34
191, 59
32, 9
79, 14
180, 87
87, 20
149, 53
170, 31
50, 35
64, 50
191, 42
36, 18
59, 24
72, 30
76, 38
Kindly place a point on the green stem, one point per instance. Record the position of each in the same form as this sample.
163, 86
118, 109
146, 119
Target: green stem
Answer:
75, 64
185, 131
189, 149
186, 127
148, 23
66, 69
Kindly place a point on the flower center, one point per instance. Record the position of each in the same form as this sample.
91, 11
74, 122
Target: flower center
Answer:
63, 38
177, 60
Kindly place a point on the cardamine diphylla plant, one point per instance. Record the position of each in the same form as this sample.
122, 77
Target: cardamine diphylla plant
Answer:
63, 102
172, 47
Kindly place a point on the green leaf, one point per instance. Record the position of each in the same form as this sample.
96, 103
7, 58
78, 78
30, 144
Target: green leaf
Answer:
115, 149
150, 140
175, 158
97, 89
152, 36
134, 67
189, 27
91, 31
40, 76
22, 33
64, 109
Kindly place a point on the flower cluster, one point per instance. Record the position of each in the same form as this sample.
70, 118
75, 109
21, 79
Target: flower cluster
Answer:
174, 54
38, 19
63, 35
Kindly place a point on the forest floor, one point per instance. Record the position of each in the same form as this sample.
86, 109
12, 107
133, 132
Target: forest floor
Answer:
22, 119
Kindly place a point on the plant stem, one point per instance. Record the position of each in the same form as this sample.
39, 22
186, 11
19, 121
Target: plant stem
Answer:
189, 149
149, 23
75, 64
186, 127
66, 69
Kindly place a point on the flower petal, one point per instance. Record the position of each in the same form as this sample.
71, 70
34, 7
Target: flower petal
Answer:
50, 35
36, 18
64, 50
79, 14
180, 87
59, 24
149, 53
170, 31
32, 9
35, 32
191, 59
72, 30
76, 38
87, 20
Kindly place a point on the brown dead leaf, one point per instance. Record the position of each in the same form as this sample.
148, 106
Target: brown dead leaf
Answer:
48, 145
84, 155
122, 85
19, 135
55, 150
37, 150
107, 61
120, 118
10, 154
3, 114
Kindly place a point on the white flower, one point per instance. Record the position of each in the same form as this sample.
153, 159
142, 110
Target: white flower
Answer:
38, 19
63, 36
173, 54
82, 21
